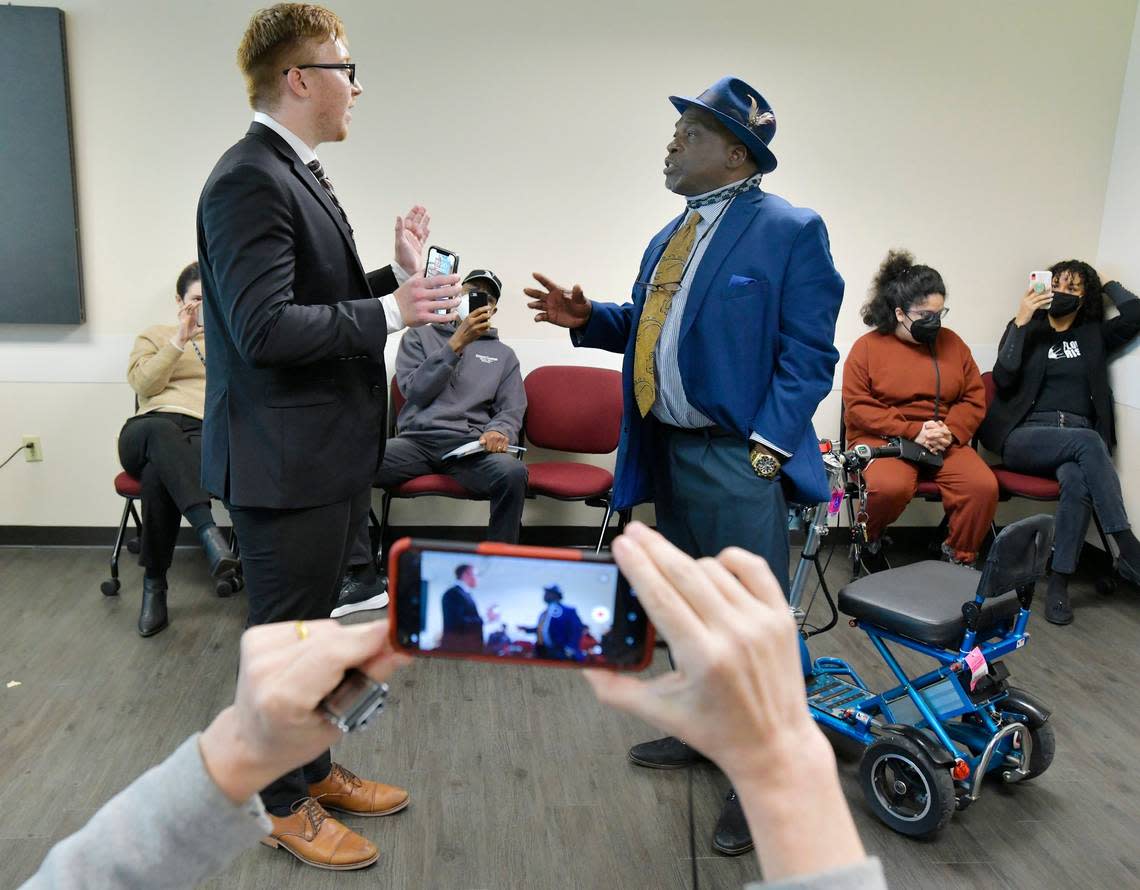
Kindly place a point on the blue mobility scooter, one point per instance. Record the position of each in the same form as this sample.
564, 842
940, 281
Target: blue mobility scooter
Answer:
930, 740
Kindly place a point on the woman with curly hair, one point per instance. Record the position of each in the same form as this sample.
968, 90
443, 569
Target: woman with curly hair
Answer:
914, 379
1053, 414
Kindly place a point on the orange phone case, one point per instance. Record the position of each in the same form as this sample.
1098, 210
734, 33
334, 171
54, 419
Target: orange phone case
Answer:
496, 548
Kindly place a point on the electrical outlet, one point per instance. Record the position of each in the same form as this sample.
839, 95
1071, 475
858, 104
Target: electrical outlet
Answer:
33, 450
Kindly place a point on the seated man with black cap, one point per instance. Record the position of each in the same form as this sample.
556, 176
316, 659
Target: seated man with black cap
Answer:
462, 385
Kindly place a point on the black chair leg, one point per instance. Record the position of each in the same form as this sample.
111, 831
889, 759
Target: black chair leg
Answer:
385, 511
135, 544
1103, 538
605, 524
110, 587
375, 535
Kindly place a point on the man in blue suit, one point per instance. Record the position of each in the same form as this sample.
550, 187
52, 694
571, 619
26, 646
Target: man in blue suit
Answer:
558, 631
728, 344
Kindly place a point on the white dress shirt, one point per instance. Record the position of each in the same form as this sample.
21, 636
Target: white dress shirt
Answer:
306, 155
672, 405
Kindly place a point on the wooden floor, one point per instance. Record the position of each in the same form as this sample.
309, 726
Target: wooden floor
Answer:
518, 778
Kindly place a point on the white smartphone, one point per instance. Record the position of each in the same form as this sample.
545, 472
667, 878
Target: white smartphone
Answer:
441, 262
1040, 281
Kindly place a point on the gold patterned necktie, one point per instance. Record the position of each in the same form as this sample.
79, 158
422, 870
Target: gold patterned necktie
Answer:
666, 282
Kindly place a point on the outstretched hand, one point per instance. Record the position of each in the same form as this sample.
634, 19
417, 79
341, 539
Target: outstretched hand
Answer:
557, 305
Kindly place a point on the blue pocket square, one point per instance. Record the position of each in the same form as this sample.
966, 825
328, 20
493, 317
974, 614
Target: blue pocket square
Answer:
740, 281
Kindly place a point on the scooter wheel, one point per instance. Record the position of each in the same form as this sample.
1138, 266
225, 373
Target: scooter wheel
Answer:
1044, 746
905, 788
224, 587
110, 587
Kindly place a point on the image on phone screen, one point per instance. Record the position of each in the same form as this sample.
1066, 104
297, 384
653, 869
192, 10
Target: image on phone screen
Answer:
518, 608
440, 263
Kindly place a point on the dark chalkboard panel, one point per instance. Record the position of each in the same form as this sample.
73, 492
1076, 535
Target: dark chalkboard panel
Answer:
40, 281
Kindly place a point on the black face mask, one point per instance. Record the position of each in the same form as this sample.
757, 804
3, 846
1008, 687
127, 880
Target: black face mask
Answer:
1063, 304
925, 330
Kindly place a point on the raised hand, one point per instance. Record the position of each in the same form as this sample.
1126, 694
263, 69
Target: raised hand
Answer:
738, 696
557, 305
1031, 301
411, 237
188, 323
474, 326
419, 298
738, 687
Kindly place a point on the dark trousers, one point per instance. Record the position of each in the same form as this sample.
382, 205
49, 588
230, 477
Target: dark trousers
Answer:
292, 561
164, 452
500, 477
708, 497
1081, 462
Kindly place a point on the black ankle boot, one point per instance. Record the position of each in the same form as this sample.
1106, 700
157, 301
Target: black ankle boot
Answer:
1057, 608
731, 836
221, 558
152, 615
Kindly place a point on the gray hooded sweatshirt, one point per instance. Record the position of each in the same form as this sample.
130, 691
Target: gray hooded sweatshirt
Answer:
462, 395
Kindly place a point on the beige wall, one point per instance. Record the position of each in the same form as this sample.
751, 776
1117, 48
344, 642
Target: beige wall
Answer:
1119, 257
980, 135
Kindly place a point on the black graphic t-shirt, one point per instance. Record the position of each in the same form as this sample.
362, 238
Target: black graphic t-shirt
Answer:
1066, 384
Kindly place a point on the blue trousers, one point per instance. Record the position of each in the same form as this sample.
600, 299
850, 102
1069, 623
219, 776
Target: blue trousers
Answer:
1081, 462
708, 497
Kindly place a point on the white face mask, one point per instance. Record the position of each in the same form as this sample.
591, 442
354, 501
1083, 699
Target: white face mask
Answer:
464, 307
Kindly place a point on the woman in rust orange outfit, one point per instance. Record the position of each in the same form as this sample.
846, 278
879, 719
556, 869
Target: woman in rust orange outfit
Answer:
913, 378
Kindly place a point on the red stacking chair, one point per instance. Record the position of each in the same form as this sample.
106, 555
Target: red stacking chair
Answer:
433, 484
574, 409
1012, 484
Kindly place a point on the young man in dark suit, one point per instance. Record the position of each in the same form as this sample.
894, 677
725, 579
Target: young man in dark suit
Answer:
295, 382
728, 343
462, 623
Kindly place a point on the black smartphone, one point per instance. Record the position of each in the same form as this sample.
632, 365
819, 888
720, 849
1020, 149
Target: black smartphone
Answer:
477, 299
441, 262
510, 603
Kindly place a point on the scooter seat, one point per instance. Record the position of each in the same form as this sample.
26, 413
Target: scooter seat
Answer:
924, 601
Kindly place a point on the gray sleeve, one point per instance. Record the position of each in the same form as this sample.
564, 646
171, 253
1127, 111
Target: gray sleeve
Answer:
865, 875
510, 404
422, 377
171, 827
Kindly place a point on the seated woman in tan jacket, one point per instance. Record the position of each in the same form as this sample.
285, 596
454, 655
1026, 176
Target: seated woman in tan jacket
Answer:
161, 446
913, 378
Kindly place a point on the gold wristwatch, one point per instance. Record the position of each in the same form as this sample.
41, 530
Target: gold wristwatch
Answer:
764, 464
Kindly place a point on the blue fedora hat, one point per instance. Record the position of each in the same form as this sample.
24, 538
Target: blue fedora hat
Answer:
744, 111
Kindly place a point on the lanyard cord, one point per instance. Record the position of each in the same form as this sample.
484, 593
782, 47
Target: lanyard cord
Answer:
937, 381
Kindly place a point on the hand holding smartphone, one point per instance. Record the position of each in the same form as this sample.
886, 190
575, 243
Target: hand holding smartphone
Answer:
508, 603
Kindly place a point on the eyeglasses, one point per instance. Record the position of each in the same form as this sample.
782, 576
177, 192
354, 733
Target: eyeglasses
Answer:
350, 67
931, 315
670, 287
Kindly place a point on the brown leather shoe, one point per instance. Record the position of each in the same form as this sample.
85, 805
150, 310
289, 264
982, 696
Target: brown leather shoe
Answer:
346, 793
314, 837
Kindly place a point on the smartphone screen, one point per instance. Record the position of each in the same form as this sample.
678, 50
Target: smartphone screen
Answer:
508, 603
441, 262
